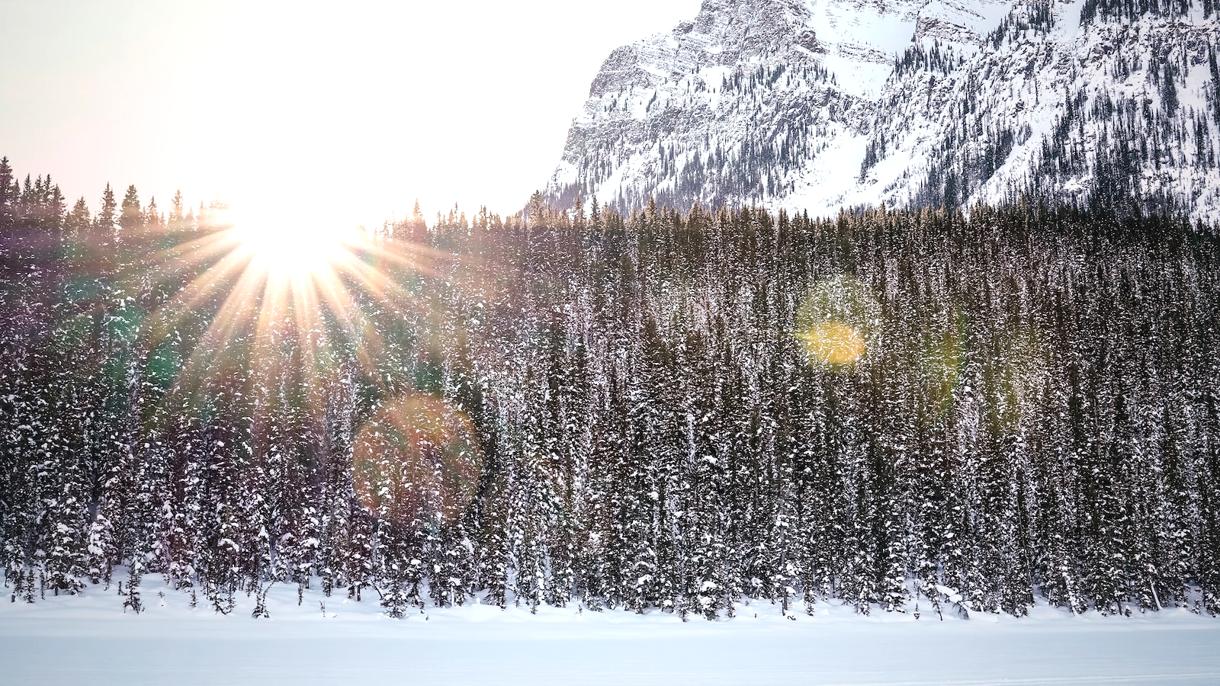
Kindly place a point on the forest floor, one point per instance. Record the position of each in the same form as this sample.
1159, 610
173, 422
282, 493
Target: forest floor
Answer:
90, 640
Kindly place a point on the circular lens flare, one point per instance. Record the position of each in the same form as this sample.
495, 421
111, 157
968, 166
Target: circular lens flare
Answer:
833, 343
417, 460
837, 321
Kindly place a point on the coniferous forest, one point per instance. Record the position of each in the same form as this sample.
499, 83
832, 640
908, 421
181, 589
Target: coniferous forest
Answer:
900, 411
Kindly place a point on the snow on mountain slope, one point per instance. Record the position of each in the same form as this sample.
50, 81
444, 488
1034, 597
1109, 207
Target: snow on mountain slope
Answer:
823, 104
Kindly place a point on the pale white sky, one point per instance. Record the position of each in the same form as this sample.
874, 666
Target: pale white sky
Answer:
351, 108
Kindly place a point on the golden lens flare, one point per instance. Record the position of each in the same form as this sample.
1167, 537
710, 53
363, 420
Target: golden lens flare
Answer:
833, 343
417, 462
837, 321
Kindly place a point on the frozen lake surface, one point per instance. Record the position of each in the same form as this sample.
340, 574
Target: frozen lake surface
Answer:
90, 641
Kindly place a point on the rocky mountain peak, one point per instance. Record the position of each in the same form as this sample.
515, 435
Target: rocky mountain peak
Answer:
823, 104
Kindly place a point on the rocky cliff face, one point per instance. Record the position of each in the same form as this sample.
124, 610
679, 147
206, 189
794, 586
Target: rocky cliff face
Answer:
822, 104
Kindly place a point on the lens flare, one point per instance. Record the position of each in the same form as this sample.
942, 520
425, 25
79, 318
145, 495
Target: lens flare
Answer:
1014, 363
943, 358
833, 343
837, 321
261, 329
417, 462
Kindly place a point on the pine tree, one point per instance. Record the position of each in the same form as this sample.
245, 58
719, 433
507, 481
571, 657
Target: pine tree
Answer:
131, 217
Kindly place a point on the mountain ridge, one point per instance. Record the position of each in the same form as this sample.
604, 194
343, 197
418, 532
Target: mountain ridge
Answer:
822, 105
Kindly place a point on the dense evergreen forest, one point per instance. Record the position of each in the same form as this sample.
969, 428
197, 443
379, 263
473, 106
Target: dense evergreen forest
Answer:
900, 411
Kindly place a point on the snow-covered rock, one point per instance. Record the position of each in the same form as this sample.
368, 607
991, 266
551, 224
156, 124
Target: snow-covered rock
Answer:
824, 104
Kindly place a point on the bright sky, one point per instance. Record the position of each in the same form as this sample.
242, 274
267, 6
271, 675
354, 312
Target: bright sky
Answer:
349, 108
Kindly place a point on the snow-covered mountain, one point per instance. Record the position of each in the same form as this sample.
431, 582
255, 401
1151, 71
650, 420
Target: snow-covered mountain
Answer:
822, 104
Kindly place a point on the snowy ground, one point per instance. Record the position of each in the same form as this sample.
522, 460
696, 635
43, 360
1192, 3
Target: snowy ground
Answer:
90, 641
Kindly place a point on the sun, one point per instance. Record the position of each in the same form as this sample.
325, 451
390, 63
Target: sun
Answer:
264, 275
286, 248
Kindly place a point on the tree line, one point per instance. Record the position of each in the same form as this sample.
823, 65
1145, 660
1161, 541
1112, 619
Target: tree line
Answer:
897, 411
